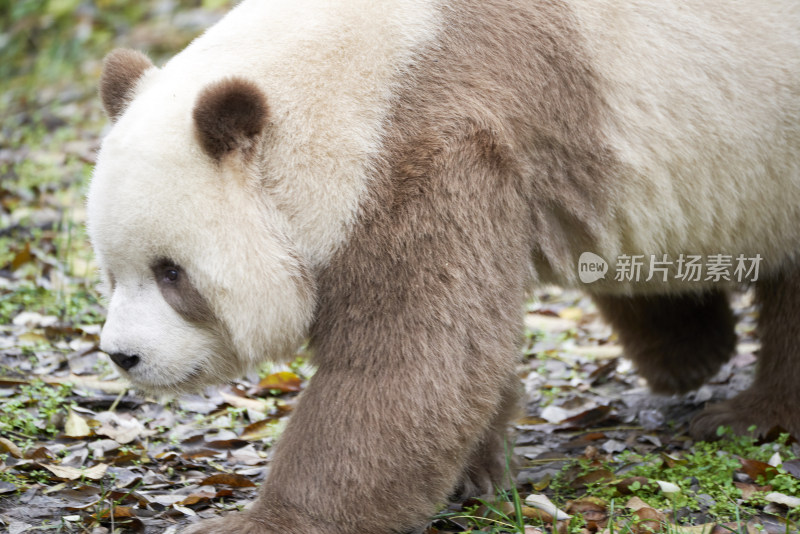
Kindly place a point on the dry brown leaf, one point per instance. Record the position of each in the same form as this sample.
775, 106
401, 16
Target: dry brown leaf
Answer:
8, 446
194, 499
589, 418
66, 472
75, 426
121, 429
259, 430
200, 453
90, 382
243, 402
593, 510
119, 512
39, 454
537, 514
284, 381
226, 444
599, 475
635, 503
229, 479
22, 257
755, 469
624, 486
749, 490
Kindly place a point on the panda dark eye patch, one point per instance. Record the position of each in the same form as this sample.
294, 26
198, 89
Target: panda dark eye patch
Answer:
166, 271
177, 289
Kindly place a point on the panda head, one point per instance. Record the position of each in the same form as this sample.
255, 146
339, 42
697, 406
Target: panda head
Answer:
202, 277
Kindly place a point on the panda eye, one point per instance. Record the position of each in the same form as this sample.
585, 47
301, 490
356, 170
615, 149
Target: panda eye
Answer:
171, 274
166, 271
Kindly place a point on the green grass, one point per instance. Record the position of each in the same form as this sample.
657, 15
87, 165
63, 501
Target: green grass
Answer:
35, 411
707, 468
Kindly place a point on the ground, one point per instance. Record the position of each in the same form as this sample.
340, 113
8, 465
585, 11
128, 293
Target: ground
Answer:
81, 452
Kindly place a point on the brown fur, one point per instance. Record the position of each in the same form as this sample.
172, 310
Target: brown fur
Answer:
774, 397
493, 146
122, 69
676, 342
228, 115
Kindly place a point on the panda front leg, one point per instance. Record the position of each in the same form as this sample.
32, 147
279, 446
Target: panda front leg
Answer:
415, 337
491, 464
774, 397
370, 449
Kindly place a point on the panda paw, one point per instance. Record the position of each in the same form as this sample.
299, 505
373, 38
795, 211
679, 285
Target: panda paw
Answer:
750, 412
664, 376
478, 481
231, 523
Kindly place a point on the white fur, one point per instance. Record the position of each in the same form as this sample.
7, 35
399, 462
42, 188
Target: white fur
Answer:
704, 100
245, 234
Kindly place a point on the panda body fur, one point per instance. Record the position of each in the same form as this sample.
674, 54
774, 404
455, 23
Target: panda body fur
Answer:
390, 181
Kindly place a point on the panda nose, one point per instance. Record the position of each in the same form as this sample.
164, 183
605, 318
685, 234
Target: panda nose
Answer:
126, 361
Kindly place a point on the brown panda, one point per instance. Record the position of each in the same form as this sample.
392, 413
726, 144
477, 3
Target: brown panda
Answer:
389, 180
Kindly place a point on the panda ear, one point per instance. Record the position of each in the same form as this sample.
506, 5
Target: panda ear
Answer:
228, 115
122, 70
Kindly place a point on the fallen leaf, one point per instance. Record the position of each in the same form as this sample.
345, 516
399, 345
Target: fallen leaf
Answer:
588, 418
631, 485
184, 509
543, 503
39, 454
792, 467
243, 402
72, 473
284, 381
537, 514
593, 477
668, 488
119, 512
76, 426
572, 313
780, 498
755, 469
121, 429
8, 446
592, 509
22, 257
635, 503
650, 520
749, 490
229, 479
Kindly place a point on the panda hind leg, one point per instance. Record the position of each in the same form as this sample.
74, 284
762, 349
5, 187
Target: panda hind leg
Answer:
676, 342
772, 401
